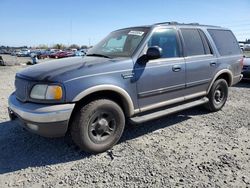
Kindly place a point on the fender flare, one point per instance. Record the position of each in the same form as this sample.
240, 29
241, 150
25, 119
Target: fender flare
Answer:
227, 71
124, 94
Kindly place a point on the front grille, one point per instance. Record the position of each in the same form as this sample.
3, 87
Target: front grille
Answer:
21, 89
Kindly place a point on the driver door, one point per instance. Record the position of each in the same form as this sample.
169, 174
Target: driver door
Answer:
161, 81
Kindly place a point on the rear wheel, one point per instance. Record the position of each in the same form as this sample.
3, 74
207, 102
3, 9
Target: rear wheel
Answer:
98, 126
217, 95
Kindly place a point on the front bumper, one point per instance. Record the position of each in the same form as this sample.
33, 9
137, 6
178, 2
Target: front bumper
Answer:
43, 119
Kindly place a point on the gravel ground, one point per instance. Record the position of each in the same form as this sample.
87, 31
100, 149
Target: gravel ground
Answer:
10, 60
14, 60
189, 149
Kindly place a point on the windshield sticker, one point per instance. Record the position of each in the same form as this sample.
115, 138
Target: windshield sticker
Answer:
138, 33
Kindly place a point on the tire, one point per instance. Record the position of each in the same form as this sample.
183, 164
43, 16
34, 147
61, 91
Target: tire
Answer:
98, 126
217, 96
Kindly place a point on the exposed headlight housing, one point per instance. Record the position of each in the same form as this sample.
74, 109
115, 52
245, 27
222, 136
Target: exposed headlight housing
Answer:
46, 92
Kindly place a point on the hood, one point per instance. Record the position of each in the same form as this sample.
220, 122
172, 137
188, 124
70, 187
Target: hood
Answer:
63, 69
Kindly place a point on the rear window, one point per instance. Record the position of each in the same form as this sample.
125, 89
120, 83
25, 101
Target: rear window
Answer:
225, 42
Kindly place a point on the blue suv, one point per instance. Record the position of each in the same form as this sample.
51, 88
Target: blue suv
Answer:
136, 74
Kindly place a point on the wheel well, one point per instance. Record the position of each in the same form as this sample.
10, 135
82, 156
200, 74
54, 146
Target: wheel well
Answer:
116, 97
226, 77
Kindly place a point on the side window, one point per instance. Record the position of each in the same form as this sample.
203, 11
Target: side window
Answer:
207, 47
225, 42
193, 42
166, 39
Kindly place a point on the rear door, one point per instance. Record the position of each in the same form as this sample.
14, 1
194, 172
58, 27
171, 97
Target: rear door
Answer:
200, 61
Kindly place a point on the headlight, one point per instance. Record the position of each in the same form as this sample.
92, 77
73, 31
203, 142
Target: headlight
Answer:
46, 92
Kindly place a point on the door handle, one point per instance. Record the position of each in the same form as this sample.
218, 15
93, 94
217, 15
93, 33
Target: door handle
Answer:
176, 68
213, 63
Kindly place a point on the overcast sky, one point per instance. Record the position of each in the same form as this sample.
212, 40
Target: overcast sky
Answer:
34, 22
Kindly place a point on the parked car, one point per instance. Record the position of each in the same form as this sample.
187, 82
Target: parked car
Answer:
247, 47
5, 51
138, 73
80, 53
61, 54
44, 54
242, 46
246, 69
23, 53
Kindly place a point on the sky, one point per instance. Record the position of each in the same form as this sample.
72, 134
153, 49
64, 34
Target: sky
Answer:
85, 22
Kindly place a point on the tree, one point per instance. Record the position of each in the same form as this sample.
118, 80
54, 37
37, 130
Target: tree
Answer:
59, 46
74, 46
42, 46
84, 47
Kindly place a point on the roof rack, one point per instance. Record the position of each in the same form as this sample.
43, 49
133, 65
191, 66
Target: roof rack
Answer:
169, 23
193, 24
176, 23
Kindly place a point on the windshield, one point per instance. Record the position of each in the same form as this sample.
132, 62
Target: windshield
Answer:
121, 43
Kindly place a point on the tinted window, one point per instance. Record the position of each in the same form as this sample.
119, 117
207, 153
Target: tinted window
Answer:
193, 42
206, 44
225, 42
166, 39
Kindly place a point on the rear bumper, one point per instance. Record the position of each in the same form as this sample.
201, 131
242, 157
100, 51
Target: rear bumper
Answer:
45, 120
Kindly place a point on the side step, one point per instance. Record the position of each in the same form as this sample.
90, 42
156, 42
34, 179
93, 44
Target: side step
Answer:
164, 112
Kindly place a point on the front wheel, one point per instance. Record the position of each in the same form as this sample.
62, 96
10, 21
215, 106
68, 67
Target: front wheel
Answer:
98, 126
217, 95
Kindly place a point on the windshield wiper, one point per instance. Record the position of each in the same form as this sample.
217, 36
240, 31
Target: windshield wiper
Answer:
99, 55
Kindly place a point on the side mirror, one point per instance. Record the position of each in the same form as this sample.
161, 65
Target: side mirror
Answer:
154, 52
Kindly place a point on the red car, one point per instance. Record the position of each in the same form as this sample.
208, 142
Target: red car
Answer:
61, 54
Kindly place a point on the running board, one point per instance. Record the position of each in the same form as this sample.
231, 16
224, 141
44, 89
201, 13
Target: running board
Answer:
161, 113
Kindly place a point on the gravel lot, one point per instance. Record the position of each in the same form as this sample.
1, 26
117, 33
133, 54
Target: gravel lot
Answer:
14, 60
191, 148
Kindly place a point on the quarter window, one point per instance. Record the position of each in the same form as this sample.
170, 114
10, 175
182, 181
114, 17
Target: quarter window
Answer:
225, 42
166, 39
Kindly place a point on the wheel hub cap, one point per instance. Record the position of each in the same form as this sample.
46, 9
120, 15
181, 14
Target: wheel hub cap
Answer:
218, 96
102, 126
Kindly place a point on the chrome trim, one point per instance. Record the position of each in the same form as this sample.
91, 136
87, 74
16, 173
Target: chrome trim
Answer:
119, 90
161, 90
197, 56
165, 60
196, 83
136, 111
195, 95
172, 101
40, 113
